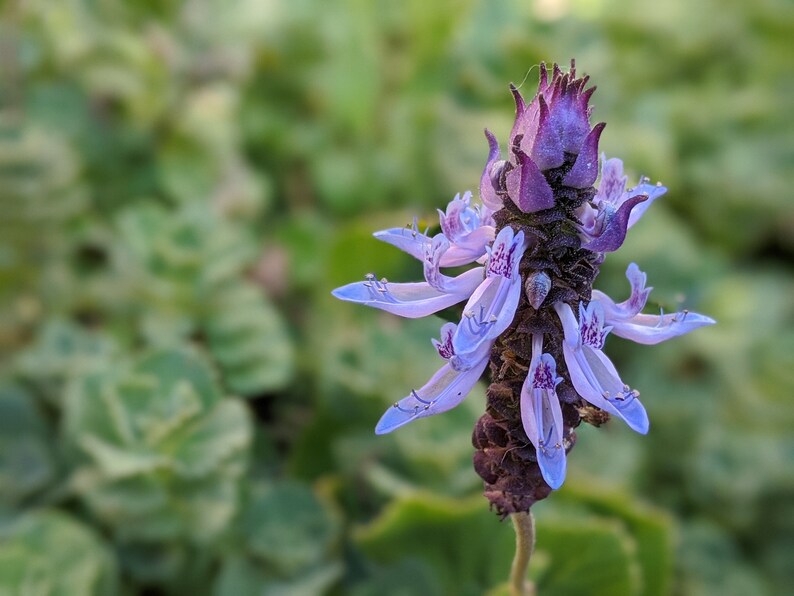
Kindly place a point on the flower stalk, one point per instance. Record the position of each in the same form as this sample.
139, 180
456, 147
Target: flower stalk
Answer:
524, 525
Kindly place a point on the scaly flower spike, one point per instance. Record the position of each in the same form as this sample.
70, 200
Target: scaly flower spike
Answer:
531, 312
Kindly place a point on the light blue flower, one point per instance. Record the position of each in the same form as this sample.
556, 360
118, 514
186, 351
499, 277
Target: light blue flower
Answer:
592, 373
628, 322
445, 389
492, 306
417, 299
541, 414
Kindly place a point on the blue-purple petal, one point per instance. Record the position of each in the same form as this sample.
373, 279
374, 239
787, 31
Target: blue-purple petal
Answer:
654, 191
654, 329
553, 463
594, 377
406, 239
631, 306
471, 248
613, 182
489, 311
411, 300
541, 416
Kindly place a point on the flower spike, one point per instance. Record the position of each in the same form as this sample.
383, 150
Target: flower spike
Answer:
537, 241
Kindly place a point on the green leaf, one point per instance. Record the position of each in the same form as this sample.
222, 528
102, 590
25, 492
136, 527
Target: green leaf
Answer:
650, 528
174, 367
464, 544
712, 563
160, 454
203, 445
49, 554
63, 351
470, 551
27, 462
603, 564
243, 577
288, 527
405, 578
249, 339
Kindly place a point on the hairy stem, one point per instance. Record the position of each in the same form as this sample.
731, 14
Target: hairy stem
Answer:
524, 524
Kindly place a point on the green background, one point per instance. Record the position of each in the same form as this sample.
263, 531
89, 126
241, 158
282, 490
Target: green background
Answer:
184, 409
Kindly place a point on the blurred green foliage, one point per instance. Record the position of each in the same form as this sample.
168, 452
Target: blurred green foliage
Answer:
184, 409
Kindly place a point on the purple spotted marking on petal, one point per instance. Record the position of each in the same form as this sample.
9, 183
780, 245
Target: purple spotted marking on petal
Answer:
544, 376
591, 325
502, 258
444, 347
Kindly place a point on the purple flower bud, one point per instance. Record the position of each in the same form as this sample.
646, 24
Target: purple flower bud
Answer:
537, 287
556, 124
552, 131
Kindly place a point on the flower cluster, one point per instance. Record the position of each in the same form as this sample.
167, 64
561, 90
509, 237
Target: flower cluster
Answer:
538, 240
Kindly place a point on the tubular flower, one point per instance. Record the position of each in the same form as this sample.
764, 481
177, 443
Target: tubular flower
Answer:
592, 373
541, 414
530, 310
445, 390
614, 209
468, 229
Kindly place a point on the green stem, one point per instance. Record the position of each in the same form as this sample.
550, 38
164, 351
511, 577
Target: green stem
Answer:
524, 525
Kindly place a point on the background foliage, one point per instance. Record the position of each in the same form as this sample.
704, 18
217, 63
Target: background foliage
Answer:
183, 408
